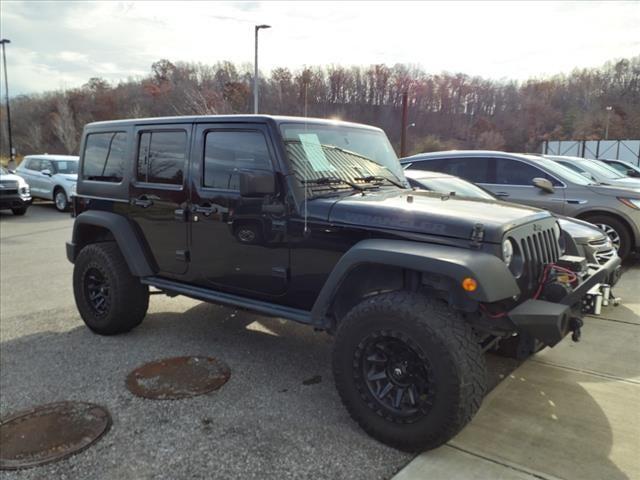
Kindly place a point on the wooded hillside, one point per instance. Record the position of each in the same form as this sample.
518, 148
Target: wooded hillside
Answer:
448, 110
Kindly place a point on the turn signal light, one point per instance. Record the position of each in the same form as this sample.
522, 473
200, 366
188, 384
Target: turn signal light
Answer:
469, 284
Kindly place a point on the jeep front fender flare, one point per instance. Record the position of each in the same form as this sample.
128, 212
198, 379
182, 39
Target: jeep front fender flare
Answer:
495, 281
122, 232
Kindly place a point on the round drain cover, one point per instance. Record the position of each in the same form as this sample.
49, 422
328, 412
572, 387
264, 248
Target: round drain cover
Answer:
49, 433
179, 377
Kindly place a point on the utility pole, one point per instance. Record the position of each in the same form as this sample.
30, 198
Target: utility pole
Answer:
606, 129
256, 79
12, 153
405, 116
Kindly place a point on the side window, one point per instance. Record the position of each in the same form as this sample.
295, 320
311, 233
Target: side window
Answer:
104, 156
47, 165
227, 152
161, 157
33, 164
436, 165
473, 169
513, 172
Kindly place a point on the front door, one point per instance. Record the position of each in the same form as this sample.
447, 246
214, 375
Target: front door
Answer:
513, 182
237, 244
158, 195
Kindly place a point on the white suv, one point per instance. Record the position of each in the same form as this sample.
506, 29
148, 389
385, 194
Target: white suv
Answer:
52, 177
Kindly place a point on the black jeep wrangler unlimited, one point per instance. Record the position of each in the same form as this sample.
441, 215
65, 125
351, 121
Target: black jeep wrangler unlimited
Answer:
313, 221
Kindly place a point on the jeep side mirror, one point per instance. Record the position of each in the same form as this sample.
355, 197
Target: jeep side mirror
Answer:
46, 172
257, 184
543, 184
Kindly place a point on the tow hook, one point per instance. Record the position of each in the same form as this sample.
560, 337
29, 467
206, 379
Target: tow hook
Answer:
575, 324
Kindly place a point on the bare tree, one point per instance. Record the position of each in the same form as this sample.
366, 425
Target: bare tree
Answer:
64, 126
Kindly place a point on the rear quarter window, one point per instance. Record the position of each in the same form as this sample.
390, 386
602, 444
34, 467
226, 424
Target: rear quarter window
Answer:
104, 156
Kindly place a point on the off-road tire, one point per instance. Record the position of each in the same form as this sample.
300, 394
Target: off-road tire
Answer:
442, 337
19, 211
127, 299
619, 227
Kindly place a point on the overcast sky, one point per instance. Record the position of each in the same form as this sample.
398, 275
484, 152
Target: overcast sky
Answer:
62, 44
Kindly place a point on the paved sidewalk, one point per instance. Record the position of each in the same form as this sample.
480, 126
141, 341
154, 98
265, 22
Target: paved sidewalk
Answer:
569, 412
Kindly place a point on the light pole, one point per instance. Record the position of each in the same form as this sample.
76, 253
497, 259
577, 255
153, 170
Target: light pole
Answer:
12, 153
606, 128
256, 80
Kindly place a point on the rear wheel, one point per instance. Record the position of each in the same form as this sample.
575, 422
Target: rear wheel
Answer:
110, 300
615, 230
60, 200
409, 370
19, 211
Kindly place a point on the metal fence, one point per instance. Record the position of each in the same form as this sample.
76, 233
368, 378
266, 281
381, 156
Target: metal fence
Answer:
627, 150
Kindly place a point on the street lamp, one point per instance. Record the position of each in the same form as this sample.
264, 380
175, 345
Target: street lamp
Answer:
256, 80
606, 129
12, 153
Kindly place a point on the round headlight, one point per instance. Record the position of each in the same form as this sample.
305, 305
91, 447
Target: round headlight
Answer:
507, 252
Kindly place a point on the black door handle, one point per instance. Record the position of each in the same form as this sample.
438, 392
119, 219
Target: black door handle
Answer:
206, 209
501, 194
142, 201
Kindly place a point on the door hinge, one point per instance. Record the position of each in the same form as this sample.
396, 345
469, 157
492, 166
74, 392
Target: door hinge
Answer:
280, 272
183, 255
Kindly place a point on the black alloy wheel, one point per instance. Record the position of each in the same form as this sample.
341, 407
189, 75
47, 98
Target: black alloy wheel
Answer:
97, 290
393, 378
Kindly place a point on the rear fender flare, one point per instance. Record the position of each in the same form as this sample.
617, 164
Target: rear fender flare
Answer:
124, 234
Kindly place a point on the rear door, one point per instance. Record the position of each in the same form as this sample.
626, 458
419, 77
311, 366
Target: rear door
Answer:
158, 193
31, 174
237, 244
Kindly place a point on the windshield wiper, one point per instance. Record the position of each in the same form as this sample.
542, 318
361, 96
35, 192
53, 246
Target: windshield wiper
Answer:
332, 181
379, 178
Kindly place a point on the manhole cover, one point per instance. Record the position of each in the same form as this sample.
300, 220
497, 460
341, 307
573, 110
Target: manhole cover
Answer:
179, 377
49, 433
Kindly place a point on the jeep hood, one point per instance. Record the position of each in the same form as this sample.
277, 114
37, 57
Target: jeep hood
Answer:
431, 213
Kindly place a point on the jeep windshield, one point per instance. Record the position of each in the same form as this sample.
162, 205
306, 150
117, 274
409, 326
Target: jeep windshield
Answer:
337, 156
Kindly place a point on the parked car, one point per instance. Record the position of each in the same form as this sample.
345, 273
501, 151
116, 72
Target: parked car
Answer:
597, 171
14, 193
51, 177
625, 168
585, 239
541, 182
313, 221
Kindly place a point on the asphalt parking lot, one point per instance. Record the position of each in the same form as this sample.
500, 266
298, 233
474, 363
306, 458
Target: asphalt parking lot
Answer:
570, 412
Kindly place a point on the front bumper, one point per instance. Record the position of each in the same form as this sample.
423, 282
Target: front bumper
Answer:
14, 201
550, 322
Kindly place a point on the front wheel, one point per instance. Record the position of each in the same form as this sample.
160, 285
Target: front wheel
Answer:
409, 370
615, 230
60, 200
110, 300
19, 211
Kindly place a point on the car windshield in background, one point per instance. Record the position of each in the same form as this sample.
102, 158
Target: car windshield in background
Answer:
330, 155
66, 166
3, 171
600, 169
563, 172
455, 186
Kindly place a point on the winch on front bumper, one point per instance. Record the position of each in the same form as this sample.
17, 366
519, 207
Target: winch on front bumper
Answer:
550, 319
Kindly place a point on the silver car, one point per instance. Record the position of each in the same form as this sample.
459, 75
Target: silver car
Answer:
597, 171
51, 177
586, 240
541, 182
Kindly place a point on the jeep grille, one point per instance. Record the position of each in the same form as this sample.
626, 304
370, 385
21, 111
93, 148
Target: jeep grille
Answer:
538, 248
